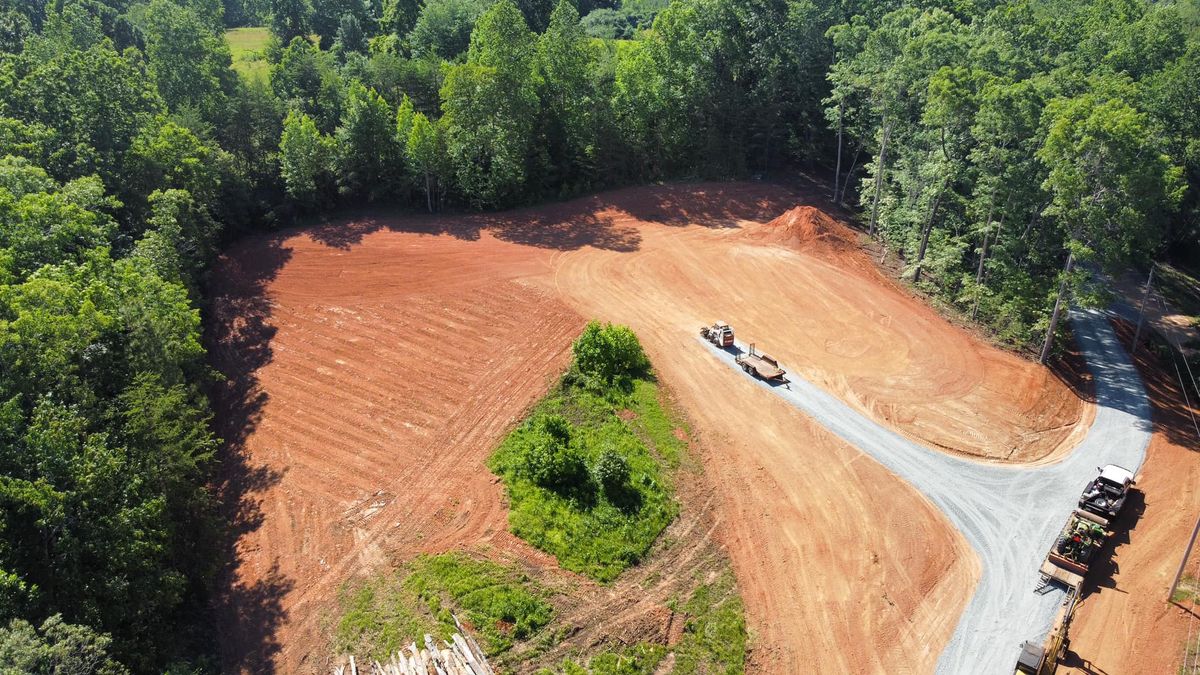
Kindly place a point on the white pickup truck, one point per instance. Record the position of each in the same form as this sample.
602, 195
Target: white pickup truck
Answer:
1106, 494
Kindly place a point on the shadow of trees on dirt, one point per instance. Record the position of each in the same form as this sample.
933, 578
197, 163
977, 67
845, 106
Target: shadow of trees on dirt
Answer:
238, 337
603, 221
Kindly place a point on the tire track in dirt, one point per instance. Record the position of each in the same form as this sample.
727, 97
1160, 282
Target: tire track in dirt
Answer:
375, 425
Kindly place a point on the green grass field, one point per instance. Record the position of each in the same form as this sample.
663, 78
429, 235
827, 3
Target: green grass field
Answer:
246, 46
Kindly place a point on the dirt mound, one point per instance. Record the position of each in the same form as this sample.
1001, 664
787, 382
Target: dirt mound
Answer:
805, 227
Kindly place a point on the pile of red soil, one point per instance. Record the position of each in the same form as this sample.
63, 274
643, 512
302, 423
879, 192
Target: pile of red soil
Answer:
804, 227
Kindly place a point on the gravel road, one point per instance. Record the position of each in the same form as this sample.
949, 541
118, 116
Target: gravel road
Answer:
1010, 514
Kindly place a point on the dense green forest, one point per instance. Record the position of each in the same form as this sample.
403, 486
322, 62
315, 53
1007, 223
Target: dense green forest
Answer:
1005, 150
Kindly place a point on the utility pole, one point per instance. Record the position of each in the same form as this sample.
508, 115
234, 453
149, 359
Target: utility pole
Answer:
1183, 563
1141, 315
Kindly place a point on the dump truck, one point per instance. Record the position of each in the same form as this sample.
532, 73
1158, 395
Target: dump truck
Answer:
1106, 494
761, 365
720, 334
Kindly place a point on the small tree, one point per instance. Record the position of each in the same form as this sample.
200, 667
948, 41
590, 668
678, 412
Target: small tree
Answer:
606, 353
425, 155
368, 156
611, 471
550, 460
305, 157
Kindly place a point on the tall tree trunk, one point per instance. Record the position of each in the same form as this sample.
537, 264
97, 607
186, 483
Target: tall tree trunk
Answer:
987, 230
837, 173
428, 197
937, 200
1057, 313
979, 273
879, 169
846, 181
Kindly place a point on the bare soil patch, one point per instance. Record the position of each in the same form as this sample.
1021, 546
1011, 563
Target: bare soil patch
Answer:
375, 362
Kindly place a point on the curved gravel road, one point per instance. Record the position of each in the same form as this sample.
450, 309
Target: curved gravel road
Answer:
1010, 514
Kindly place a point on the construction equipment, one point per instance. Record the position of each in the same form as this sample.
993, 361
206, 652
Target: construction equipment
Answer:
1081, 538
761, 365
1043, 659
720, 334
1073, 552
1106, 494
1067, 563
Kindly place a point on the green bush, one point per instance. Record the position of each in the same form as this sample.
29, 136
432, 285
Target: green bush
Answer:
549, 459
611, 471
385, 613
714, 639
604, 354
501, 604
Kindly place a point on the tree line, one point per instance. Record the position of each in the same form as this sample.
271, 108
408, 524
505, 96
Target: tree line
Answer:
1003, 150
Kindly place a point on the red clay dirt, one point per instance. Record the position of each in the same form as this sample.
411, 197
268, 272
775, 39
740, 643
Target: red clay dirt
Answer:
1125, 625
375, 363
374, 380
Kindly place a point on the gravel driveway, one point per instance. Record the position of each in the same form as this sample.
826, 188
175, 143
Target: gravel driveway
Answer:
1010, 514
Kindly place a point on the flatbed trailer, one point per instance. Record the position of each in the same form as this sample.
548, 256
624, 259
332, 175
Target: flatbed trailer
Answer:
1076, 547
1066, 565
761, 365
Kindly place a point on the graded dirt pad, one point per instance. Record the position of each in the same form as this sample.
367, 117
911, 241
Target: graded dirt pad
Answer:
374, 380
376, 362
1124, 624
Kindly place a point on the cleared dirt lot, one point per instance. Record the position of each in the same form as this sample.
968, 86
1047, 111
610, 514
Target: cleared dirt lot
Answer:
367, 387
375, 362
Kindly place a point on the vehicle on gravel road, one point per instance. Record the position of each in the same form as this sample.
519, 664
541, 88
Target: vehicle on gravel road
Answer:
757, 363
1106, 494
1074, 551
720, 334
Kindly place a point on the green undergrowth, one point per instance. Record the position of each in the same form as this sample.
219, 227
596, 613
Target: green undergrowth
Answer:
639, 659
1188, 591
593, 526
382, 615
714, 640
714, 637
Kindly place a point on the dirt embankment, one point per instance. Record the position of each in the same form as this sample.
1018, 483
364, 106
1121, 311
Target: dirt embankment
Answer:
864, 337
1124, 624
375, 362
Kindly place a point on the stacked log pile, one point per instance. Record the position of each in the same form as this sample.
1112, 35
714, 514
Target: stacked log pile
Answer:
460, 656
